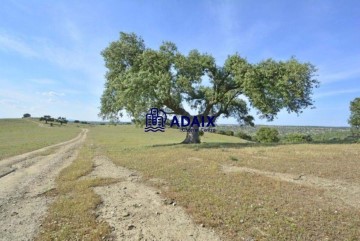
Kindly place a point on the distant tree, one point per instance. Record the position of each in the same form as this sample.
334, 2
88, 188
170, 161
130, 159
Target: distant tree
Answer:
354, 119
267, 135
76, 121
139, 78
26, 115
62, 120
46, 118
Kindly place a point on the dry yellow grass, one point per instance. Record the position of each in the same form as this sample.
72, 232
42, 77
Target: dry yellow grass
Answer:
243, 205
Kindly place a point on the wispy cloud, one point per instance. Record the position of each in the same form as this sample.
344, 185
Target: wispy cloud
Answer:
335, 93
340, 76
43, 81
52, 96
11, 43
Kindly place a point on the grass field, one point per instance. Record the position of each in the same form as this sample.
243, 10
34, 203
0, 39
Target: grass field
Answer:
18, 136
242, 204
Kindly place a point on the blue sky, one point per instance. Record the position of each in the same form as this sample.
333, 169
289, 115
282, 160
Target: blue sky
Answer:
50, 60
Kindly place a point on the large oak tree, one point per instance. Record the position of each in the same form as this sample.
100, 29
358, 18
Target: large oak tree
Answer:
139, 78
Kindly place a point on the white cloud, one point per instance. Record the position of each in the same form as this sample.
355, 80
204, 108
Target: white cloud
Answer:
43, 81
52, 94
11, 43
340, 76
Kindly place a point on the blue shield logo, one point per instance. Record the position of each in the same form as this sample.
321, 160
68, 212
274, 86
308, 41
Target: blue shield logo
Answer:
155, 120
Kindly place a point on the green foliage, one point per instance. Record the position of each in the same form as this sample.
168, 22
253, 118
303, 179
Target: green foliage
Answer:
139, 78
221, 132
354, 119
229, 133
267, 135
225, 132
297, 138
244, 136
233, 158
201, 133
26, 115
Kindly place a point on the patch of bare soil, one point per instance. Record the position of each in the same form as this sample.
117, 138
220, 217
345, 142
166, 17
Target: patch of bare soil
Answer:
21, 204
136, 211
349, 193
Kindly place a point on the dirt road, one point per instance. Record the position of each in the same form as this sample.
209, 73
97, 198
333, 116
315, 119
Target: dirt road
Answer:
134, 210
24, 179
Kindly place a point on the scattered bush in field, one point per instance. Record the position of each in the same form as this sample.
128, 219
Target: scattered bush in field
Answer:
229, 133
76, 121
297, 138
233, 158
244, 136
26, 115
267, 135
221, 132
352, 139
226, 133
201, 132
46, 118
62, 120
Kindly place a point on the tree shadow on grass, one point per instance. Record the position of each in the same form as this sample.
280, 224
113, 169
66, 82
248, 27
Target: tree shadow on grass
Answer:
226, 145
218, 145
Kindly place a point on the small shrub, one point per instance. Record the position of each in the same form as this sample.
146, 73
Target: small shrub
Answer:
267, 135
221, 132
233, 158
201, 132
229, 133
244, 136
297, 138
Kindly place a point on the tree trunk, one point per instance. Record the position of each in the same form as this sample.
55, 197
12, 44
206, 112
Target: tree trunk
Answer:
192, 135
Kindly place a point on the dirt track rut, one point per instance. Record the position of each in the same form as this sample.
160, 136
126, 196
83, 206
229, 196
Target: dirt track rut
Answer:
21, 204
136, 211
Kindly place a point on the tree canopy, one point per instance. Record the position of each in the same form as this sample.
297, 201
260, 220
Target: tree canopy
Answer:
354, 119
139, 78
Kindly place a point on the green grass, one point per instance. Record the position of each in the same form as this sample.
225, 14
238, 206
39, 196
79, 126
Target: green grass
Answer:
18, 136
242, 205
71, 216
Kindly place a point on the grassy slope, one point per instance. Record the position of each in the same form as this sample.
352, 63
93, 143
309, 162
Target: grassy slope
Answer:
18, 136
242, 204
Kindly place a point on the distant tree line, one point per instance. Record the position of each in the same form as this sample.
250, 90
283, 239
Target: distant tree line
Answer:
48, 118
